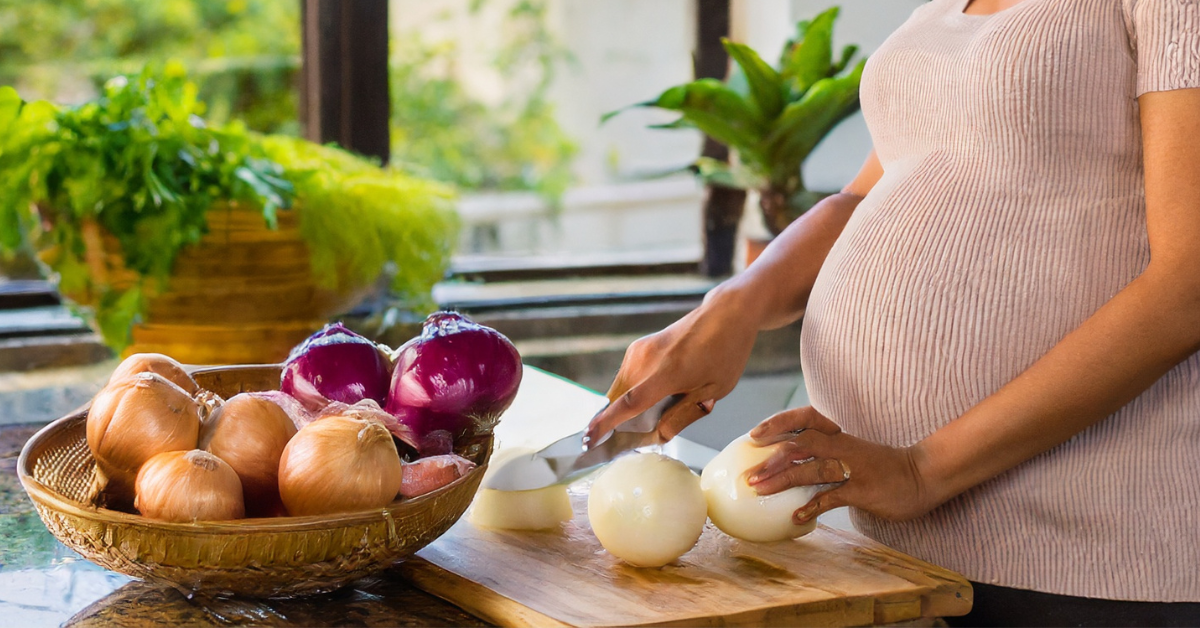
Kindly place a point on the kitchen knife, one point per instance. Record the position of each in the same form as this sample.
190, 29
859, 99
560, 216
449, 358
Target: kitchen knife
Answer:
569, 461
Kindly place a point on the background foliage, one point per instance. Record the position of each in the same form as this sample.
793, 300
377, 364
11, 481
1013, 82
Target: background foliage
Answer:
244, 56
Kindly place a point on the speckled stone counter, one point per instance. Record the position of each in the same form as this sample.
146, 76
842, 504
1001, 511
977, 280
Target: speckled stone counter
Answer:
42, 583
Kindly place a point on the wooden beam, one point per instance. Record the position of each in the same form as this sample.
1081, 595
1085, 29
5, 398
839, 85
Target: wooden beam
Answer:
344, 79
722, 206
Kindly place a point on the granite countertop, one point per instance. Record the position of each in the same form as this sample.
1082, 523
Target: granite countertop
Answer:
42, 583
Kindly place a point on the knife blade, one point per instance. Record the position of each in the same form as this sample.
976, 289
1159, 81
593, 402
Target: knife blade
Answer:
569, 461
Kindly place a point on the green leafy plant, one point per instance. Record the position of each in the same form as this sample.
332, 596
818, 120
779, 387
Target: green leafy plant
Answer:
772, 116
440, 128
141, 164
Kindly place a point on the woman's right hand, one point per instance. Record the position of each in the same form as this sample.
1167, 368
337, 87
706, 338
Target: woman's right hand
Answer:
701, 357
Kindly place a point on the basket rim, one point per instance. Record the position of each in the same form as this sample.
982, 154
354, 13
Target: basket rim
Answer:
45, 496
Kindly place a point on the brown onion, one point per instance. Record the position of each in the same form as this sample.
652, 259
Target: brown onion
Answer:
339, 464
133, 419
187, 486
249, 433
158, 363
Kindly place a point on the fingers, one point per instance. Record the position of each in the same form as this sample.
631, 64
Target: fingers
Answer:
806, 473
819, 505
786, 424
631, 403
694, 406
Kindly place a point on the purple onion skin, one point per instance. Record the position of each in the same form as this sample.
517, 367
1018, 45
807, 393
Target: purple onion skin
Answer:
336, 364
457, 376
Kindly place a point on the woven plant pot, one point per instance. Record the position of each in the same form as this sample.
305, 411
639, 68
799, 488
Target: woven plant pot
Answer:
268, 557
244, 294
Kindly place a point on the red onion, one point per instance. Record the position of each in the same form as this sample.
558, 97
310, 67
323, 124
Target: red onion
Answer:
457, 376
335, 364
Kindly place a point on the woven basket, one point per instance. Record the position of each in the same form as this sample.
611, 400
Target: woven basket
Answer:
244, 294
272, 557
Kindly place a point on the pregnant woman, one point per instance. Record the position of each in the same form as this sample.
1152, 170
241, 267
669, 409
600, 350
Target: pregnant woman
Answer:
1001, 313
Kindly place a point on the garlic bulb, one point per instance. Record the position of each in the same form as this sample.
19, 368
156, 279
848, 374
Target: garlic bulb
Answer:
339, 464
249, 433
738, 510
185, 486
647, 509
133, 419
157, 363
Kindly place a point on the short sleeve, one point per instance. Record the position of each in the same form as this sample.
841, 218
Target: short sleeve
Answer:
1165, 35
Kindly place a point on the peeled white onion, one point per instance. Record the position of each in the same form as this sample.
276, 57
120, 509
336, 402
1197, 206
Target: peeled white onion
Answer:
518, 492
738, 510
647, 509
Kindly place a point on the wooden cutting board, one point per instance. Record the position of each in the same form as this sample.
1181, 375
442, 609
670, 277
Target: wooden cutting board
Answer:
827, 578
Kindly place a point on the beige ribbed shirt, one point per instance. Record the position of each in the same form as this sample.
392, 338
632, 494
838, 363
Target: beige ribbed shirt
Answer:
1010, 209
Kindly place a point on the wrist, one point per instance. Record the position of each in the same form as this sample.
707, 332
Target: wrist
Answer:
738, 301
932, 489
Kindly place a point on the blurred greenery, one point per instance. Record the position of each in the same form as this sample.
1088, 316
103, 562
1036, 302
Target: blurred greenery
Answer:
244, 57
440, 128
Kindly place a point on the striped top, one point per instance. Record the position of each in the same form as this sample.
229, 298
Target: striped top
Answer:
1010, 209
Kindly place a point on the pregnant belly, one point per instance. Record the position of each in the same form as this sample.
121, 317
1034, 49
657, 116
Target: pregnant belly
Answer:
936, 295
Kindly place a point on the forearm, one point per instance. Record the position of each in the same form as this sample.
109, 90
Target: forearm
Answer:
774, 291
1115, 355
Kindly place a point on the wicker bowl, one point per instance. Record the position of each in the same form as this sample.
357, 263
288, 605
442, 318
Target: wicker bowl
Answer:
270, 557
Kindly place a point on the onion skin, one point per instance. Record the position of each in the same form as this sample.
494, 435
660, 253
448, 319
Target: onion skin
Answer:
188, 486
368, 410
457, 376
130, 421
157, 363
429, 474
295, 410
249, 433
339, 464
336, 364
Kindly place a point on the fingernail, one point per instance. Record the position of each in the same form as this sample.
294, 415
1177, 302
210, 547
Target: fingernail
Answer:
753, 479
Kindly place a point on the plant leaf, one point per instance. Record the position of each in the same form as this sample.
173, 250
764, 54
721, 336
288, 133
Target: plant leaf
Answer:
809, 59
804, 123
847, 54
766, 86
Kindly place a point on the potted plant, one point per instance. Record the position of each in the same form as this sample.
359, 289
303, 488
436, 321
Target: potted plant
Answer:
771, 117
212, 244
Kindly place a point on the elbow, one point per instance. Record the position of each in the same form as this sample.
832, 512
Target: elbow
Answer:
1176, 292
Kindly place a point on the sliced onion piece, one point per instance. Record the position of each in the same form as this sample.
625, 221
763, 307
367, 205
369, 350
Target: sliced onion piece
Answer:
518, 492
537, 509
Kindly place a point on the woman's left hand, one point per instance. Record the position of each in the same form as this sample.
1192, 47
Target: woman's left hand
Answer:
884, 481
